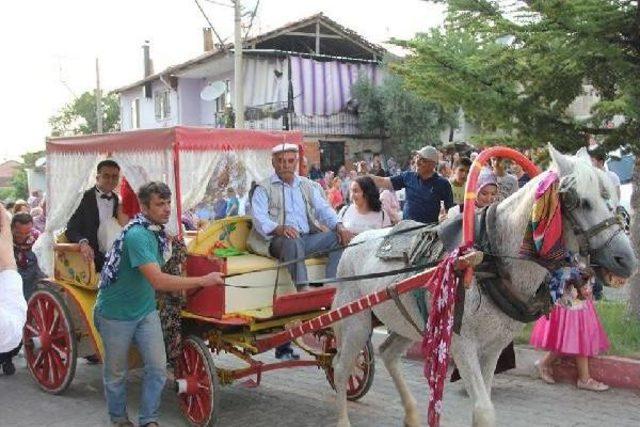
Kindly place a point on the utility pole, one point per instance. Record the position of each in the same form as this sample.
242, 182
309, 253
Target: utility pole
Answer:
238, 91
98, 99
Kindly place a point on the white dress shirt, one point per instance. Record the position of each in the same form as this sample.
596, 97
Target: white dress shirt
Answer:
105, 207
13, 310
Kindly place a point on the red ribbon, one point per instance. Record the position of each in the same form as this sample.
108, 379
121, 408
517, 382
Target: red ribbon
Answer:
436, 341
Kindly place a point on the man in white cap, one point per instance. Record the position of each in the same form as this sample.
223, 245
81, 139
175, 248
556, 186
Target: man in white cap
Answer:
288, 212
425, 189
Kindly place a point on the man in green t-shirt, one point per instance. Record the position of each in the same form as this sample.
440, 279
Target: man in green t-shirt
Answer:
125, 310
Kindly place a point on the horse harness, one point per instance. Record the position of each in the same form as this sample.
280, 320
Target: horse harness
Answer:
490, 276
571, 202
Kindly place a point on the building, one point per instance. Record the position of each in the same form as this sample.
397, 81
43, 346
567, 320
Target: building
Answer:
296, 77
7, 170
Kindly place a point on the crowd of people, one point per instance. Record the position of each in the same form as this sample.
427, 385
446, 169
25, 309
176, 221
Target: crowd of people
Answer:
296, 211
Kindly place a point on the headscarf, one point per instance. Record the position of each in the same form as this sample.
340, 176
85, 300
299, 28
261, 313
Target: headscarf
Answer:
486, 177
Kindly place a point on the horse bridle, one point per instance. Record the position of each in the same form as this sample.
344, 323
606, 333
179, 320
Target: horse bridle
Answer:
571, 202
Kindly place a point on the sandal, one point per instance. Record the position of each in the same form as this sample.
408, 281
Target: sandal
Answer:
592, 385
546, 373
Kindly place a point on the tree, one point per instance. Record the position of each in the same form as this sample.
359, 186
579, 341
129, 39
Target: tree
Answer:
406, 121
79, 116
518, 71
19, 182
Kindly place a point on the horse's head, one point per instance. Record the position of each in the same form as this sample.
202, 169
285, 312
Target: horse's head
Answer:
589, 201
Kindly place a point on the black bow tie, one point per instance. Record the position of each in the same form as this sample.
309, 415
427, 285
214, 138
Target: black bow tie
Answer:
108, 197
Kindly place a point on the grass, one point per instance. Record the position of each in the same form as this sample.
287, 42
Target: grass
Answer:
623, 332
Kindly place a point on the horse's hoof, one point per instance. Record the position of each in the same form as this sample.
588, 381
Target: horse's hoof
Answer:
412, 423
484, 417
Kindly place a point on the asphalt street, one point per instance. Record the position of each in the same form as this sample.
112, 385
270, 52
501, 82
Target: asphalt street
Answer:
302, 397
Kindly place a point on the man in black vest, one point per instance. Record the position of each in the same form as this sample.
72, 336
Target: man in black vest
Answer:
99, 204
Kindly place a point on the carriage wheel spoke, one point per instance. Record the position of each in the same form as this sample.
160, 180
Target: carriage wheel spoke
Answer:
54, 322
352, 385
200, 406
31, 329
189, 405
57, 367
37, 314
62, 354
39, 359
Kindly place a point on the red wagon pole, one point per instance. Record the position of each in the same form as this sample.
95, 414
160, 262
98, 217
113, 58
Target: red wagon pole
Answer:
468, 218
325, 320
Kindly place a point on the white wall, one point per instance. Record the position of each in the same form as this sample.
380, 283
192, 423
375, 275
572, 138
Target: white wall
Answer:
147, 108
208, 108
189, 101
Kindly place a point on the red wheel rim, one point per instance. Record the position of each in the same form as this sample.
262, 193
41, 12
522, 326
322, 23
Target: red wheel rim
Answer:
50, 360
192, 366
357, 381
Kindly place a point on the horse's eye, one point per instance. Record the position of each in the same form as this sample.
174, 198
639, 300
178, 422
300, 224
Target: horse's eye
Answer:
585, 204
605, 195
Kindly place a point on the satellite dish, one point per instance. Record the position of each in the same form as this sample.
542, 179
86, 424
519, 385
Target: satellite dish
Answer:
213, 90
40, 162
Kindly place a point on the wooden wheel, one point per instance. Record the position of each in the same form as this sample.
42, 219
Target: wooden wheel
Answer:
361, 378
197, 383
49, 341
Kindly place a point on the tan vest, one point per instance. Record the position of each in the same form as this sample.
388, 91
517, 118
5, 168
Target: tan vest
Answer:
256, 242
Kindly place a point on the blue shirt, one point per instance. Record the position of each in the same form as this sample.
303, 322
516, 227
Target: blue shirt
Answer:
423, 197
295, 208
220, 209
233, 205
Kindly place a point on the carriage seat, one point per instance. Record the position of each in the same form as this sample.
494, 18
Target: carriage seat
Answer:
247, 263
290, 303
70, 265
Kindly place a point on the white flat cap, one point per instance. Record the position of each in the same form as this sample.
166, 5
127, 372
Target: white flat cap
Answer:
281, 148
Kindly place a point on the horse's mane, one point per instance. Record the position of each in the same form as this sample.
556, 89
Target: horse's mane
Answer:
591, 181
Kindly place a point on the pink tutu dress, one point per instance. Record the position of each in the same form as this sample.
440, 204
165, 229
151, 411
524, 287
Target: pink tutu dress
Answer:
572, 330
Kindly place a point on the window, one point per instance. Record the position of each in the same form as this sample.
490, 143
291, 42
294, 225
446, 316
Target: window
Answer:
163, 104
135, 113
224, 100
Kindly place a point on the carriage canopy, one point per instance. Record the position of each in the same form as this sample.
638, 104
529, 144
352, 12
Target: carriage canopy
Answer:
195, 162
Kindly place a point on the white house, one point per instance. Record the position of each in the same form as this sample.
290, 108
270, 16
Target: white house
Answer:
296, 77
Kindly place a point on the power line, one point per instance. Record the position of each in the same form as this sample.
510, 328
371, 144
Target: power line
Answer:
222, 44
219, 3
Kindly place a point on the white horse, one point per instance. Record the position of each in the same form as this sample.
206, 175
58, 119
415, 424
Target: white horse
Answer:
486, 330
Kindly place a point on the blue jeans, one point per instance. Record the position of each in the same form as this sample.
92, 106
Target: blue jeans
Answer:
286, 249
117, 336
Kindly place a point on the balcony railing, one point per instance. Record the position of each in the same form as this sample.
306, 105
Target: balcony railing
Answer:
337, 124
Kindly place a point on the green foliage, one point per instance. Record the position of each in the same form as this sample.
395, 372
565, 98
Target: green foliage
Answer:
408, 121
519, 71
19, 184
79, 116
7, 193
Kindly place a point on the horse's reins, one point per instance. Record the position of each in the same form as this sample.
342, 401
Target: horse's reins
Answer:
334, 279
349, 278
328, 251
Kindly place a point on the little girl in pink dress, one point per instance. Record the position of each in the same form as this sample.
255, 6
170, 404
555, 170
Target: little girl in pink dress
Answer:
572, 329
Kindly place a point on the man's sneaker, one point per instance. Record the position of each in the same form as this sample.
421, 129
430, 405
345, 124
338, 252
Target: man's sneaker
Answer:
126, 423
92, 359
8, 367
286, 353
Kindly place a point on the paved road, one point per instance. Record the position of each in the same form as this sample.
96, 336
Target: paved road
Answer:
303, 398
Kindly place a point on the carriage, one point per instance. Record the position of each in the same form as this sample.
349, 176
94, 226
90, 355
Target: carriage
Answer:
242, 317
255, 310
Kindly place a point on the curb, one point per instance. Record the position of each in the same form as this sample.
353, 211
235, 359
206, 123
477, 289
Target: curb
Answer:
619, 372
